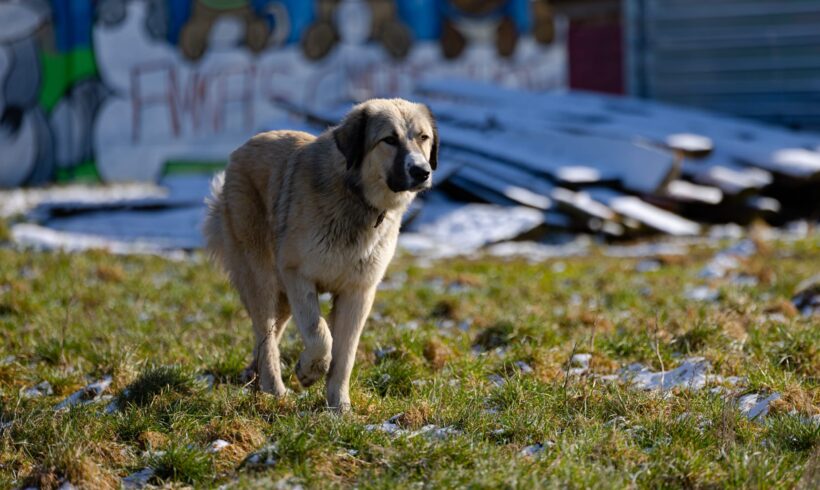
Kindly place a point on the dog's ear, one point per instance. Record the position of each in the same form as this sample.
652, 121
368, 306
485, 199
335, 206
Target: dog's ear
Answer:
350, 137
436, 140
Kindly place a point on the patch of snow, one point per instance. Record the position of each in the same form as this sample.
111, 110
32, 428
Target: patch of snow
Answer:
535, 449
743, 248
523, 367
687, 191
702, 293
581, 360
727, 260
756, 406
207, 380
430, 431
648, 265
463, 229
84, 396
690, 374
689, 142
112, 407
797, 229
578, 174
579, 364
537, 252
38, 237
262, 457
218, 445
730, 230
804, 162
21, 201
164, 228
646, 250
437, 433
42, 389
496, 380
384, 352
744, 280
137, 480
386, 427
807, 296
411, 325
719, 266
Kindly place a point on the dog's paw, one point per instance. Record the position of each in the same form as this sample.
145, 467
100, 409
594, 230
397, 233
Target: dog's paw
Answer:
340, 408
310, 370
272, 385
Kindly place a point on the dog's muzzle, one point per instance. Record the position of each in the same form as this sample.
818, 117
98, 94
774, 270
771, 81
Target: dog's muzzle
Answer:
418, 171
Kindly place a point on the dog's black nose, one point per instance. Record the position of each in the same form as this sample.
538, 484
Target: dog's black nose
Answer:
419, 173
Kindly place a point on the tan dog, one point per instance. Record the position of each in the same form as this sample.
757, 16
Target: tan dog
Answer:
299, 215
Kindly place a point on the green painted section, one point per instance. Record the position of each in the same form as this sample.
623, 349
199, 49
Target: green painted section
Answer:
187, 167
224, 4
85, 172
61, 71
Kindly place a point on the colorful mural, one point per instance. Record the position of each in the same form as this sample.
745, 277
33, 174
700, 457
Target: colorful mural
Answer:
116, 89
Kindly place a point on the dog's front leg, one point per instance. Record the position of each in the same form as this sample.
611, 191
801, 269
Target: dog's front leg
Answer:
314, 361
350, 311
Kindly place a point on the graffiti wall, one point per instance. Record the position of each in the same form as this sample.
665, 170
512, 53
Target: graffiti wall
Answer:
117, 89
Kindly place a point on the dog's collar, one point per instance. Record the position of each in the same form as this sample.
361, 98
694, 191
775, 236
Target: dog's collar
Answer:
380, 219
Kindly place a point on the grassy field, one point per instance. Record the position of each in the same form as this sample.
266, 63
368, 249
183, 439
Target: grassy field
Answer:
478, 349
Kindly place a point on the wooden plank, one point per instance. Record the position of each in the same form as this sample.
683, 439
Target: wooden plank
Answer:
682, 190
498, 176
499, 170
732, 179
517, 194
559, 154
552, 217
647, 214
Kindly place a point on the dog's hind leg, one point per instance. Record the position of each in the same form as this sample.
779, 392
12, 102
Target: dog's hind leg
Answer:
269, 312
314, 361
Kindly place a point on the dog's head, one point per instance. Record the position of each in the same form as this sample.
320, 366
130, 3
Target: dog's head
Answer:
391, 150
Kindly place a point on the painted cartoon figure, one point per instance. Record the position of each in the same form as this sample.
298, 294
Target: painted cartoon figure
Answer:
26, 152
461, 17
196, 32
386, 28
112, 12
543, 22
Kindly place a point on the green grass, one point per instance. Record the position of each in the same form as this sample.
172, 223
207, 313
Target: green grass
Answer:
156, 325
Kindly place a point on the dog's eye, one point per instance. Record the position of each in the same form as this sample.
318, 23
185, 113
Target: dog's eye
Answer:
391, 140
424, 137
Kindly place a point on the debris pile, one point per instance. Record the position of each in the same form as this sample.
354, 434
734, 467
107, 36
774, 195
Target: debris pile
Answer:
615, 166
513, 165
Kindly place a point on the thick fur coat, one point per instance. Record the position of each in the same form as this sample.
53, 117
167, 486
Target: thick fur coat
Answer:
296, 215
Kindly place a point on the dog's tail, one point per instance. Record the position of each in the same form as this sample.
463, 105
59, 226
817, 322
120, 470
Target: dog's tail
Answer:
213, 227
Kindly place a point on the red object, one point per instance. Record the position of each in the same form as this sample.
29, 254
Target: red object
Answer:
596, 57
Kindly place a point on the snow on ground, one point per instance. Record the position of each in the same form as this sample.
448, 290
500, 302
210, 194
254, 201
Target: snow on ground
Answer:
167, 219
690, 374
89, 394
21, 201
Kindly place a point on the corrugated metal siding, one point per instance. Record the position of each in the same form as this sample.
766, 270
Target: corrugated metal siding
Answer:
755, 58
